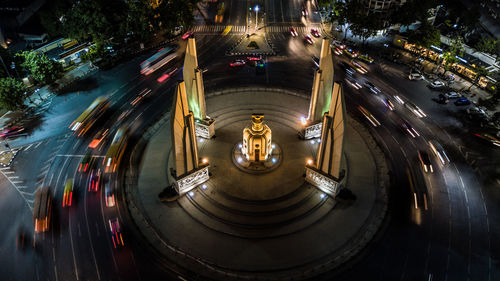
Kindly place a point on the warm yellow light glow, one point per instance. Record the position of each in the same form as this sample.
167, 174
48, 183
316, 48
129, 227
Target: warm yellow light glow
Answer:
309, 161
204, 160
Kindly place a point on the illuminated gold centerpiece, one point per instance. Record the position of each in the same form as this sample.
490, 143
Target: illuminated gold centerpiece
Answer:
257, 140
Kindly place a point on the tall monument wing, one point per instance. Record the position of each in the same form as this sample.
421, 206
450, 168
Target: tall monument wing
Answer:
322, 85
326, 172
194, 81
183, 136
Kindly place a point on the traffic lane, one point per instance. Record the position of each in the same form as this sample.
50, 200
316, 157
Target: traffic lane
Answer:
16, 262
237, 13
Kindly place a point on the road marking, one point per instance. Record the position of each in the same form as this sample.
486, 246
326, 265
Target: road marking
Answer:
8, 172
22, 186
72, 247
28, 147
13, 177
55, 271
38, 144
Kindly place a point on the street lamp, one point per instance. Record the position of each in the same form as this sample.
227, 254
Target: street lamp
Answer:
256, 15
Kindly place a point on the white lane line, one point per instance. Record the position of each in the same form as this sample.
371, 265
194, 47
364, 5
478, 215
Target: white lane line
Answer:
16, 182
72, 247
38, 144
88, 231
28, 147
8, 172
51, 177
13, 177
21, 186
5, 168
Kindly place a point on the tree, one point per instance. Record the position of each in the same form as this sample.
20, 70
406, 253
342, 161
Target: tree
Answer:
412, 11
425, 36
488, 45
42, 69
367, 26
456, 49
12, 93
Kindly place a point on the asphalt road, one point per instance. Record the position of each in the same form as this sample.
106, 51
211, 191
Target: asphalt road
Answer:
441, 226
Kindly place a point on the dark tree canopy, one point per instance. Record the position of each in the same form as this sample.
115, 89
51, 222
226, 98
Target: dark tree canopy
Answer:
12, 93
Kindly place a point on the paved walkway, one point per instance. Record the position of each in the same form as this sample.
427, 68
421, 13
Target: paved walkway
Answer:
202, 241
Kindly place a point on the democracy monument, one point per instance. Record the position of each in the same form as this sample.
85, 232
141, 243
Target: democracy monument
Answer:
249, 188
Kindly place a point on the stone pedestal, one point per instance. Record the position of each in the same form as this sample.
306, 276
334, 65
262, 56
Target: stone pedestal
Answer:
205, 128
185, 183
312, 131
324, 182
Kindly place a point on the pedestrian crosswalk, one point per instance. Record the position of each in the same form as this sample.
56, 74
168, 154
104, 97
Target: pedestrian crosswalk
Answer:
241, 29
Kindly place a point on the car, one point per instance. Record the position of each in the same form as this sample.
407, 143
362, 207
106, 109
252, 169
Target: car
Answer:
408, 128
388, 103
98, 138
187, 35
415, 76
315, 59
351, 52
305, 13
260, 63
236, 63
21, 238
372, 87
425, 161
254, 58
437, 84
369, 116
359, 68
293, 32
399, 99
489, 138
477, 114
68, 193
86, 163
308, 39
95, 180
167, 74
439, 151
144, 93
116, 235
337, 51
452, 95
415, 109
462, 101
441, 99
365, 58
9, 132
348, 68
338, 44
352, 82
109, 194
315, 32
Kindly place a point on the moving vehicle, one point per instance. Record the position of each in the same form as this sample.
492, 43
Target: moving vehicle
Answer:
366, 58
442, 99
88, 118
162, 57
143, 94
369, 116
109, 194
337, 51
315, 59
68, 193
254, 58
439, 151
308, 39
372, 87
359, 68
42, 207
425, 161
116, 235
338, 44
462, 101
11, 131
95, 179
407, 127
187, 35
315, 32
489, 138
437, 84
351, 52
305, 13
86, 163
167, 74
293, 32
352, 82
98, 138
116, 150
415, 109
388, 103
477, 114
452, 95
348, 68
235, 63
415, 76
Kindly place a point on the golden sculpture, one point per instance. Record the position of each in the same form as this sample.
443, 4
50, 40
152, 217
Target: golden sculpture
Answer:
257, 145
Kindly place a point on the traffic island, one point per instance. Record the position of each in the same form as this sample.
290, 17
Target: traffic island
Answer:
269, 226
6, 157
